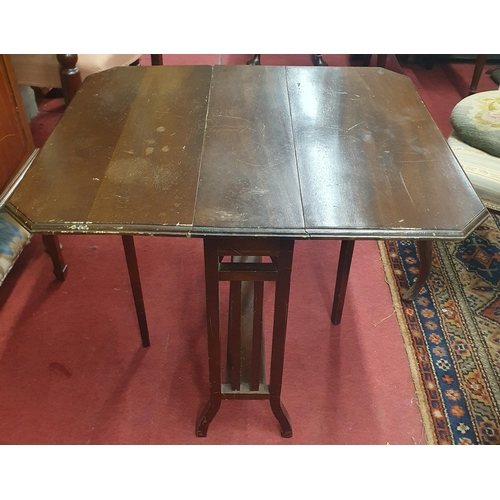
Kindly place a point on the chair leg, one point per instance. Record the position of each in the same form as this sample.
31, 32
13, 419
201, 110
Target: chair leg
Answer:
478, 71
381, 60
318, 60
157, 59
255, 61
71, 79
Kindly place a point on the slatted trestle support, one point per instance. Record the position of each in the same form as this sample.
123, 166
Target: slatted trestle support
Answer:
245, 366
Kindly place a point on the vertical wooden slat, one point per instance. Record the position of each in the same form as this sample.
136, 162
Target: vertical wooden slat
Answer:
234, 334
258, 305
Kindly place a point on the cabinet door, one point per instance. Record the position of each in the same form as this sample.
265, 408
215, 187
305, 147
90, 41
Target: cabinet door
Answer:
16, 142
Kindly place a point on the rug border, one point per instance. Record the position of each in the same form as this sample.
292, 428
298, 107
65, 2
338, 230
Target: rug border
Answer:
423, 406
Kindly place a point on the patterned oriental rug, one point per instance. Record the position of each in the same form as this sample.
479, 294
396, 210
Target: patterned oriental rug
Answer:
452, 333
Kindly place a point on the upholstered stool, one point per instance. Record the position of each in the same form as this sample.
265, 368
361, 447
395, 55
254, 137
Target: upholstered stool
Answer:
475, 141
13, 238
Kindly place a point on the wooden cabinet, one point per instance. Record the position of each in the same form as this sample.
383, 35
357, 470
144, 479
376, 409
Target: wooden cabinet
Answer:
16, 142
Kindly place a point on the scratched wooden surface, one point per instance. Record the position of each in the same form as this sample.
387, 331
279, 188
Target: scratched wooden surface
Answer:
249, 176
257, 150
370, 156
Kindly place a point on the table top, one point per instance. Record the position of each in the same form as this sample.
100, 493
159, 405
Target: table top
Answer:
303, 152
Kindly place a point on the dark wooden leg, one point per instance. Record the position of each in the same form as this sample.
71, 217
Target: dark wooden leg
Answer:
494, 74
135, 282
381, 60
428, 61
53, 248
157, 59
478, 71
424, 248
318, 60
343, 269
282, 294
214, 368
71, 79
255, 61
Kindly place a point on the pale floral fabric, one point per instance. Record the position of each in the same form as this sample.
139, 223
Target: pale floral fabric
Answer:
482, 169
13, 238
476, 121
487, 113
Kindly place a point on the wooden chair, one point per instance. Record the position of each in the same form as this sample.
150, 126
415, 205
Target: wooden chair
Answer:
429, 60
67, 71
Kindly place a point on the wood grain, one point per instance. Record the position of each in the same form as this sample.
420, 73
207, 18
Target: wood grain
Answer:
297, 152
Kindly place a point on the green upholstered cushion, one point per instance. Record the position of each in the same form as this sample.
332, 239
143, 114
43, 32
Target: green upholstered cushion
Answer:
476, 121
482, 169
13, 237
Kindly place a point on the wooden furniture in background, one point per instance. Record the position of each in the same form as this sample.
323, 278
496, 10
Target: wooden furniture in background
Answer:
67, 71
16, 142
317, 60
71, 78
428, 61
17, 151
478, 71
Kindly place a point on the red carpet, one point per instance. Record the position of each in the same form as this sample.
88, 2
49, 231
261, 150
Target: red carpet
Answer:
72, 370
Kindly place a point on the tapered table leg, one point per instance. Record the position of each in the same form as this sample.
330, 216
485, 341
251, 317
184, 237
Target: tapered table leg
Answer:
343, 269
424, 248
53, 248
282, 294
214, 367
135, 282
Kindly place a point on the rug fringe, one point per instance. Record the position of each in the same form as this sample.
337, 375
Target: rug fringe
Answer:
427, 421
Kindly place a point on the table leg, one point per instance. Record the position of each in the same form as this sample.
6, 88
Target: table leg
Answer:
135, 282
282, 294
246, 273
53, 248
424, 248
343, 269
214, 368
